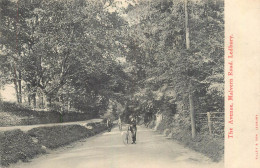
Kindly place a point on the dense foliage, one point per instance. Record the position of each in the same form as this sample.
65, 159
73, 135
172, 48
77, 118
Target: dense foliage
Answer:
169, 70
65, 52
93, 56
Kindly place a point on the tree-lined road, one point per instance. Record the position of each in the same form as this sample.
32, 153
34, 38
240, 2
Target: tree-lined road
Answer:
107, 150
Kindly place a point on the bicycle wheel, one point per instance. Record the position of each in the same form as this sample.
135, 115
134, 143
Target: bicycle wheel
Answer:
129, 138
126, 137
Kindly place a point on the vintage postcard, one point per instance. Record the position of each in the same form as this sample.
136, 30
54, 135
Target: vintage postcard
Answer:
129, 83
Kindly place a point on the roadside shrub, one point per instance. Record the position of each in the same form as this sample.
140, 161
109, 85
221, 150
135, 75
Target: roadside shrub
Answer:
16, 145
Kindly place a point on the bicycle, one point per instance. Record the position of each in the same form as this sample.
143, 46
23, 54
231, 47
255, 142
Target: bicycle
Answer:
126, 136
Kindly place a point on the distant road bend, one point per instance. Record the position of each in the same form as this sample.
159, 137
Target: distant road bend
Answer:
28, 127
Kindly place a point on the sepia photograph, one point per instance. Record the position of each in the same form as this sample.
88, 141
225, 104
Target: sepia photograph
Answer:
115, 83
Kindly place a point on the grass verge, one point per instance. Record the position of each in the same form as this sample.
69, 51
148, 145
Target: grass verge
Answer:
16, 145
212, 147
57, 136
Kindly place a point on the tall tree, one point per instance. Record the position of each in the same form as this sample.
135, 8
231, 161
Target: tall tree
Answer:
191, 102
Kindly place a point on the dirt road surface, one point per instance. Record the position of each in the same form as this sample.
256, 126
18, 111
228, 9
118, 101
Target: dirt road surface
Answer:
107, 150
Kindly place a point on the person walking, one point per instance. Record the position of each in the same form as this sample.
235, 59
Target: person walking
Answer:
133, 130
109, 124
119, 122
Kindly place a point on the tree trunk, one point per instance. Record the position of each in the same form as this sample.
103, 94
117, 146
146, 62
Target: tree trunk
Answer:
15, 83
187, 25
34, 100
68, 105
192, 112
191, 102
20, 86
50, 101
42, 101
29, 100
